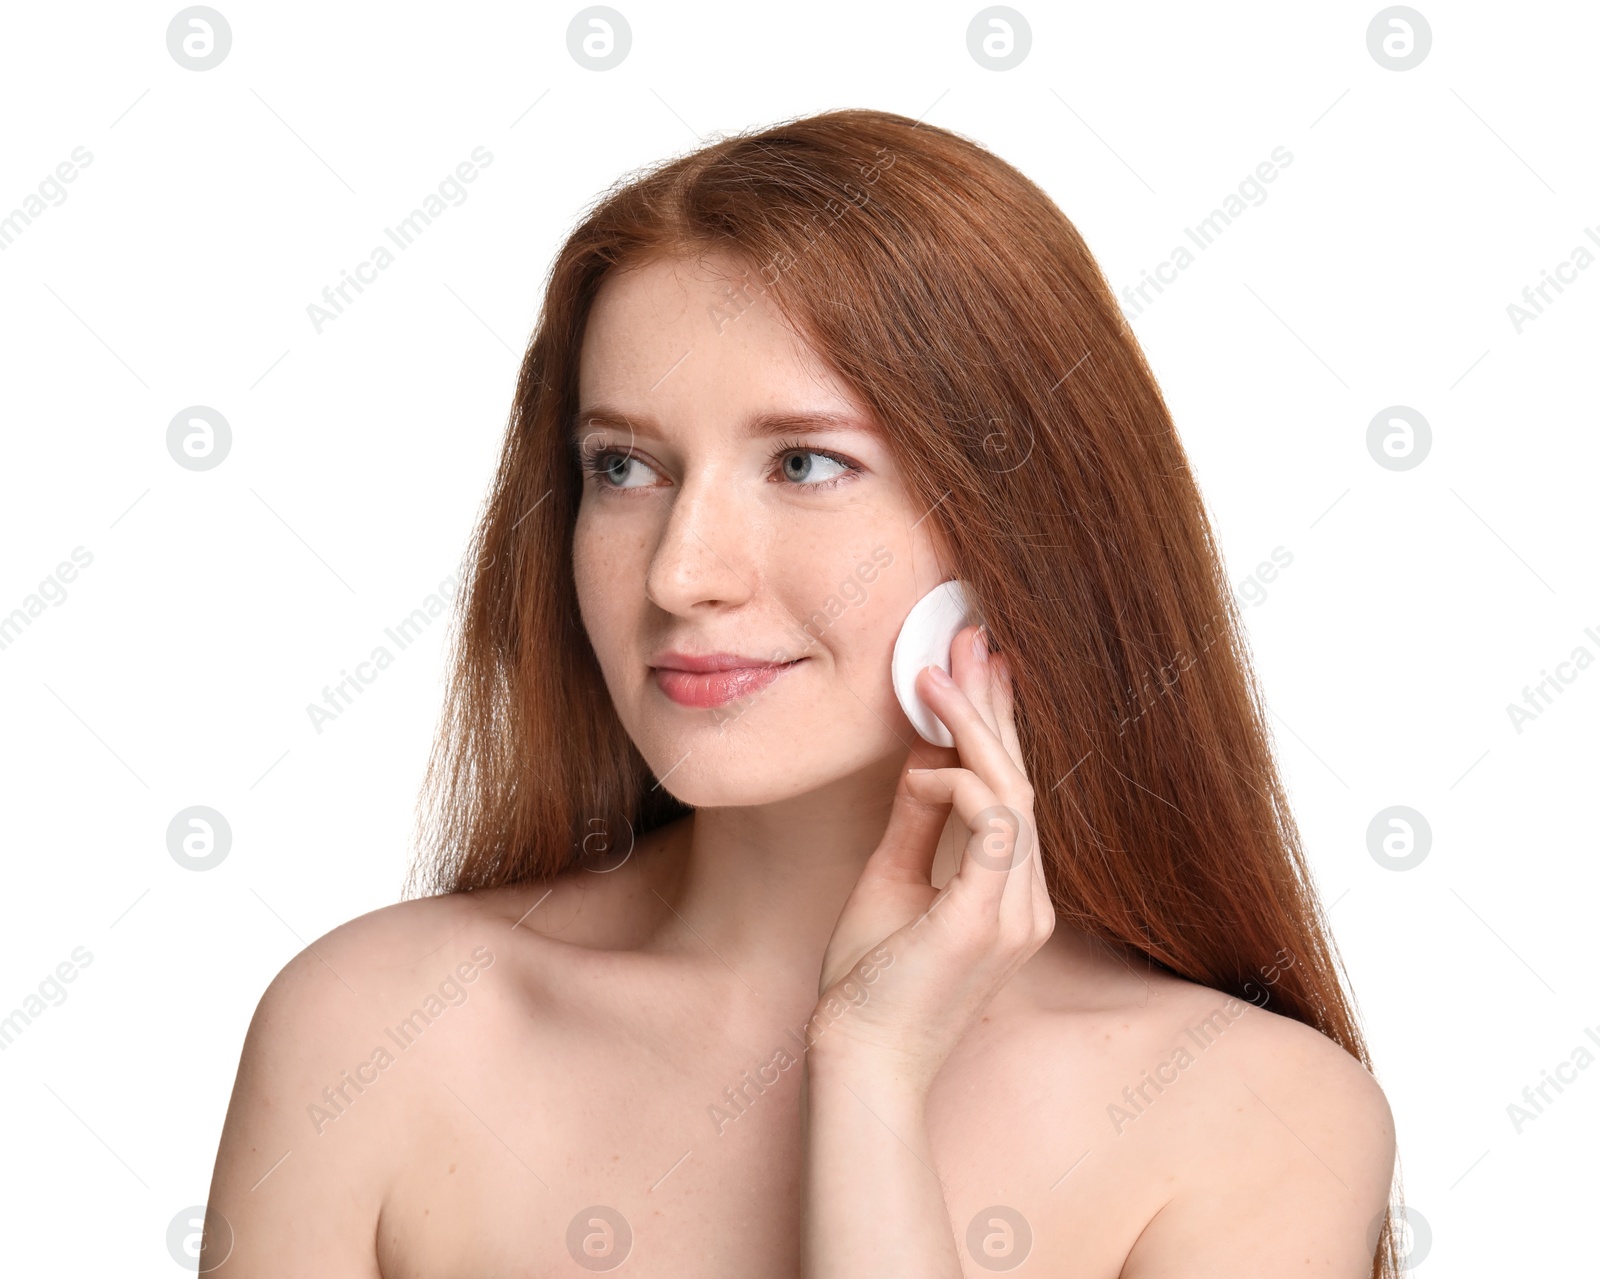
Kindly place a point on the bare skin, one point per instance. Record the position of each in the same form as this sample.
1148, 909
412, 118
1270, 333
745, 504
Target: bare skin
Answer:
612, 1069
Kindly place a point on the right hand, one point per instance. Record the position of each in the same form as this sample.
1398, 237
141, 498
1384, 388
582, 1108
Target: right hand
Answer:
912, 966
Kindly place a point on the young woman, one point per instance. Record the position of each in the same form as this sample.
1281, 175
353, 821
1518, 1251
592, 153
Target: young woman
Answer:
725, 970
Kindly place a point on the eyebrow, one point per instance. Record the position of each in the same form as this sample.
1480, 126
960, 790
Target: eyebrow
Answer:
760, 426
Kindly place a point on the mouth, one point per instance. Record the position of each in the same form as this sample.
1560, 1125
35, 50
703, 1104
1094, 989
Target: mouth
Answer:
717, 679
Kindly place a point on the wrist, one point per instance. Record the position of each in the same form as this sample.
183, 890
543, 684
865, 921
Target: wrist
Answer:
835, 1096
875, 1074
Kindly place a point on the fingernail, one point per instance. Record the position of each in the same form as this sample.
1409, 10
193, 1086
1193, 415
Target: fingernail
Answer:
980, 646
941, 676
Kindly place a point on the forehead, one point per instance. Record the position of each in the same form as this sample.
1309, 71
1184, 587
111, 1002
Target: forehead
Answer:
697, 331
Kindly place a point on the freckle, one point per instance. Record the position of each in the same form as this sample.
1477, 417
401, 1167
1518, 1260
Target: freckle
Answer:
426, 1211
452, 1167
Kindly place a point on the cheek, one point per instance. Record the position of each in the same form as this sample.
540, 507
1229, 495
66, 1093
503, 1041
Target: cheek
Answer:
871, 603
855, 614
603, 575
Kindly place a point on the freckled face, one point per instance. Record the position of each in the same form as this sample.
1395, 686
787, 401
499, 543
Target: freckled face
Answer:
713, 534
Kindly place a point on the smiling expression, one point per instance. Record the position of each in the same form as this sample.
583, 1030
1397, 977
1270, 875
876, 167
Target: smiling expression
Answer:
745, 549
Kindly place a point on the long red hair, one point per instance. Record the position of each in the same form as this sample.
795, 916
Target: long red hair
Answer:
965, 311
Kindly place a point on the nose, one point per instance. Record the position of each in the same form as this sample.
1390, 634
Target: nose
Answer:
705, 555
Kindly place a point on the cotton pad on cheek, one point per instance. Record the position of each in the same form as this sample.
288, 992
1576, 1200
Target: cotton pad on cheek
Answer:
925, 639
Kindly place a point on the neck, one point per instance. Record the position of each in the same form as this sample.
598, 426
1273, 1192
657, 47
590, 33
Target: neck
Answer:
752, 895
759, 889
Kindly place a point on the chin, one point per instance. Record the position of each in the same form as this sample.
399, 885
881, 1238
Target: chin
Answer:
713, 787
762, 759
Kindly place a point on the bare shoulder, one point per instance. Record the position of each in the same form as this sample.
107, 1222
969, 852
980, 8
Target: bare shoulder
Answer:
1282, 1141
302, 1165
364, 963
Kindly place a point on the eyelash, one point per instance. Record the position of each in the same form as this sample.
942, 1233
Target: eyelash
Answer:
592, 460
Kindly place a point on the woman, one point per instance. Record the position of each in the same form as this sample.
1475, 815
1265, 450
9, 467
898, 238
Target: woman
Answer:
727, 971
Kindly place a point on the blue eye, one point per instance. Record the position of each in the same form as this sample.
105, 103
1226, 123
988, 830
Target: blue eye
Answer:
795, 466
803, 466
609, 468
811, 468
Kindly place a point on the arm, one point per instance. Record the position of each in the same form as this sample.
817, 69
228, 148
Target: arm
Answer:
874, 1203
890, 1014
285, 1198
1290, 1176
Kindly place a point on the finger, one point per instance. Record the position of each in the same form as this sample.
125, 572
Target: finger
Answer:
1019, 896
1014, 839
1005, 708
1003, 718
972, 671
978, 744
959, 788
1002, 839
990, 825
911, 839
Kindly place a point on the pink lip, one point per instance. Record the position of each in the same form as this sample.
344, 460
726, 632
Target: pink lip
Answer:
714, 678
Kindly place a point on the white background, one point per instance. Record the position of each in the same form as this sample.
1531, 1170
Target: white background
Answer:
177, 670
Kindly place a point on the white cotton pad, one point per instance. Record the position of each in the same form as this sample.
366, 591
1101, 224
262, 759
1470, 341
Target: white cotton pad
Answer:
925, 638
